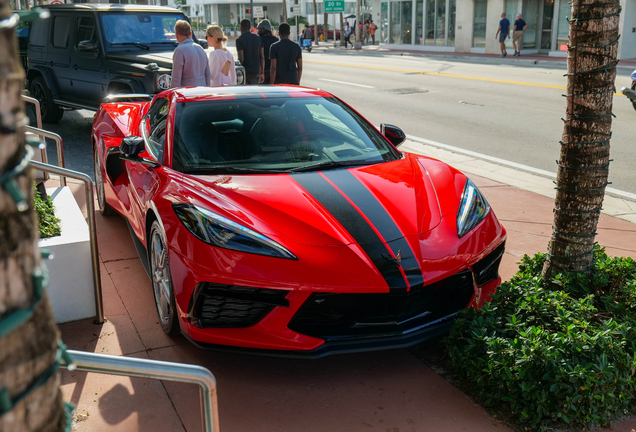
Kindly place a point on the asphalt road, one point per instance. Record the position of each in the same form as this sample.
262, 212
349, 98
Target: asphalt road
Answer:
519, 120
455, 102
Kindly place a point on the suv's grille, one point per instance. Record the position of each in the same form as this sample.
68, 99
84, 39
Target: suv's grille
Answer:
333, 316
487, 269
214, 305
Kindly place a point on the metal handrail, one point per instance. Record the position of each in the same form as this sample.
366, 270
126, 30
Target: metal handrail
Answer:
144, 368
38, 118
58, 143
90, 204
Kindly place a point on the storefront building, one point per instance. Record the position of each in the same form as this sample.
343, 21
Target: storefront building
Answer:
471, 25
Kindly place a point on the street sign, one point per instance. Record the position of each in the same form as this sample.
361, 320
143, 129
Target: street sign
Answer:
296, 9
334, 6
258, 12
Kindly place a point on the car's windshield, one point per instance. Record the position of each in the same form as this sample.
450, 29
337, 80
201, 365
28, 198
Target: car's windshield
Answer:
274, 134
140, 27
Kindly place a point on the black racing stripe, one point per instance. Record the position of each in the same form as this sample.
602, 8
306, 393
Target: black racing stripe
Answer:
381, 220
355, 224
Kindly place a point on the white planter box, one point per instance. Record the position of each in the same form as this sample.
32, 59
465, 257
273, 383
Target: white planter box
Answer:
70, 271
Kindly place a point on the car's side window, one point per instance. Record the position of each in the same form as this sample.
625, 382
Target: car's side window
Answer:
37, 35
61, 26
155, 123
85, 30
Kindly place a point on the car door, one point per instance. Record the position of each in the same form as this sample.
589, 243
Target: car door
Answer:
88, 81
143, 179
59, 53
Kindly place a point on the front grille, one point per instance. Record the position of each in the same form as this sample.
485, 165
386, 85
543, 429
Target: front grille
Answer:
337, 316
215, 305
487, 269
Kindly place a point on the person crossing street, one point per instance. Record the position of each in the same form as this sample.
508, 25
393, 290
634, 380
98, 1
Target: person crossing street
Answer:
190, 62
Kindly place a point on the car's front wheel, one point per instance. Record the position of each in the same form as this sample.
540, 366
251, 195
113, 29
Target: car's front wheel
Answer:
162, 281
51, 112
104, 208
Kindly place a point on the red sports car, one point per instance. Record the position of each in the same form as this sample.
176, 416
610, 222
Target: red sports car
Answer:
277, 218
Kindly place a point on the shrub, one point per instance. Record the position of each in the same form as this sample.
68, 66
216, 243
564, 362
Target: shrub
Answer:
49, 225
564, 354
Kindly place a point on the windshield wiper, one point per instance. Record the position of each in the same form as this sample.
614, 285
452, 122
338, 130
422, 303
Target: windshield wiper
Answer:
332, 164
137, 44
167, 42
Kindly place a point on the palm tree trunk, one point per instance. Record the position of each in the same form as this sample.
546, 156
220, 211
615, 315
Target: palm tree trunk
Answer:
583, 165
29, 350
325, 27
284, 11
342, 42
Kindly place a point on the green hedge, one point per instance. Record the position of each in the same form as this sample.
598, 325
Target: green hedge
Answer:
49, 225
549, 356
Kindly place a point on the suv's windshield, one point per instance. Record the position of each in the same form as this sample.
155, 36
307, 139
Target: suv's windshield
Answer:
273, 135
140, 27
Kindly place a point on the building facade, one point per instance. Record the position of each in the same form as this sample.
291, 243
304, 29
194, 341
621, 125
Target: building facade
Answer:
471, 25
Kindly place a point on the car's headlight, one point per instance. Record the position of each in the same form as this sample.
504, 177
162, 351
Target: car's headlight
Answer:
218, 231
473, 208
163, 81
240, 77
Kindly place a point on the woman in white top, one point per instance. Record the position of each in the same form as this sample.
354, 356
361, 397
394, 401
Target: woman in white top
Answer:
222, 69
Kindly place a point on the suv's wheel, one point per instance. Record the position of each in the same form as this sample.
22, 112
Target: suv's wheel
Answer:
104, 208
51, 112
162, 281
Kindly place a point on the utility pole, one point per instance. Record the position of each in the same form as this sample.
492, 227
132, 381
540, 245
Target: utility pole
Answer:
252, 12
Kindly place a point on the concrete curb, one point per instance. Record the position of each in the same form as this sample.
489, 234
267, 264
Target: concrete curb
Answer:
617, 203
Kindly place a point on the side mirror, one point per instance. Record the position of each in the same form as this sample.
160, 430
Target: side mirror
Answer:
132, 146
393, 133
87, 45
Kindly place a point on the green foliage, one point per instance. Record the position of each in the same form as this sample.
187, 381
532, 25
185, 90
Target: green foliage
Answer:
564, 354
49, 225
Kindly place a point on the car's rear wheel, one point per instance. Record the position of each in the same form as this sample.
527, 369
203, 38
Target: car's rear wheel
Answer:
162, 281
104, 208
634, 88
51, 112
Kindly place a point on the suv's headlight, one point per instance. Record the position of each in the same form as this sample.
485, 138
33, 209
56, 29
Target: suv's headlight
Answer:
473, 208
163, 81
218, 231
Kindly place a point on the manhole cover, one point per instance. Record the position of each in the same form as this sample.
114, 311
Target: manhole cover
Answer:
405, 91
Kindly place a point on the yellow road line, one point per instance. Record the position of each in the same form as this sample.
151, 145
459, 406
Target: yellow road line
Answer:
445, 75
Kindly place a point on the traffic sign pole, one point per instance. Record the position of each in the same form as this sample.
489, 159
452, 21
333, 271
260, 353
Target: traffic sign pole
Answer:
252, 12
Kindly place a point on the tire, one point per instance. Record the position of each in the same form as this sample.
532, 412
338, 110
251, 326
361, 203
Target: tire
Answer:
162, 281
51, 112
308, 49
104, 208
634, 88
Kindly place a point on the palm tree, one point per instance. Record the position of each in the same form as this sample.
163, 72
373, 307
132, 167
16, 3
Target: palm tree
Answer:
27, 351
583, 165
315, 24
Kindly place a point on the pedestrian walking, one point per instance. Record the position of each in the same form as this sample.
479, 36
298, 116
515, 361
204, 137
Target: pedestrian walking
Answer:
190, 63
222, 68
286, 58
365, 32
372, 29
251, 54
347, 34
502, 32
267, 39
517, 34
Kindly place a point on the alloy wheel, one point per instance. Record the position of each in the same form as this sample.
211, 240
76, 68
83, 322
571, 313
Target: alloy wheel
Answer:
161, 283
38, 92
99, 182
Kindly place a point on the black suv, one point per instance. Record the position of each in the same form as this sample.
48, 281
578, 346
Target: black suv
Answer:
85, 52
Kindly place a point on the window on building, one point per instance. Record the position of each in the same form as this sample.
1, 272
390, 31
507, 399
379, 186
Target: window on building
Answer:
384, 23
563, 32
479, 23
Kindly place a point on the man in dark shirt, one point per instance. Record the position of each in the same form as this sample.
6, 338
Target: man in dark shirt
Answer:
286, 58
502, 32
517, 34
251, 55
265, 32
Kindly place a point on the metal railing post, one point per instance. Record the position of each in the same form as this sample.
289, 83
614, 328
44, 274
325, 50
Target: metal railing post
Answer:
144, 368
90, 204
38, 118
58, 143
